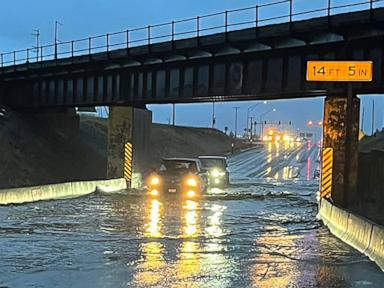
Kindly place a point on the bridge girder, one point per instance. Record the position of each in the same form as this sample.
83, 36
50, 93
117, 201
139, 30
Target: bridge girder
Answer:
260, 64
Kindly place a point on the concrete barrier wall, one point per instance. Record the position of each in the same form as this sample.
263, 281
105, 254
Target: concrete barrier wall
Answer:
59, 191
355, 230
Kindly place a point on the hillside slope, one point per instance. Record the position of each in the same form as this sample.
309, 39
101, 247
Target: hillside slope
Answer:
33, 154
165, 140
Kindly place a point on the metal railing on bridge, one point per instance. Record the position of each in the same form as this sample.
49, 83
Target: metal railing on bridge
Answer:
221, 22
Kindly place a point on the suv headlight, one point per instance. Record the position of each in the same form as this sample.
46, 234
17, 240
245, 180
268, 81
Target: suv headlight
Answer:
217, 173
155, 180
191, 182
191, 194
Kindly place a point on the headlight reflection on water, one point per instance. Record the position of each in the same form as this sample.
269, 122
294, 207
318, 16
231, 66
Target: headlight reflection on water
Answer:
153, 227
196, 237
214, 221
191, 228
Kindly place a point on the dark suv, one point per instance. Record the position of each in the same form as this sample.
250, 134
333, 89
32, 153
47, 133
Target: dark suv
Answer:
178, 176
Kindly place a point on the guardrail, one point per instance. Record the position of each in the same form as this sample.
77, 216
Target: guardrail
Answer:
249, 17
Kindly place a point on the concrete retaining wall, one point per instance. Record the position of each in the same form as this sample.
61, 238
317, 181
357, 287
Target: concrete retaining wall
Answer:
59, 191
360, 233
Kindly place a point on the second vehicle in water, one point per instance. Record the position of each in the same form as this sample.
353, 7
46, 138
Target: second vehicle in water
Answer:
217, 170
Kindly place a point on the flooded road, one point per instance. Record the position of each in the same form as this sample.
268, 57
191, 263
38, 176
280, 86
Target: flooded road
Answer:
262, 231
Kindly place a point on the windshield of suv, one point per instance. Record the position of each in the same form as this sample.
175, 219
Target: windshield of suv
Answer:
213, 163
178, 166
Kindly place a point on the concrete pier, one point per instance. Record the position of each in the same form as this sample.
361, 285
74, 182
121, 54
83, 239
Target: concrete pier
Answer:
120, 143
128, 141
341, 128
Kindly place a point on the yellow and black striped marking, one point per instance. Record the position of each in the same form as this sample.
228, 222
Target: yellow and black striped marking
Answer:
128, 161
326, 173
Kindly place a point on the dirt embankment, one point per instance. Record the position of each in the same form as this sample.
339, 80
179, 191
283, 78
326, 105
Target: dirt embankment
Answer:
33, 154
374, 142
165, 140
178, 141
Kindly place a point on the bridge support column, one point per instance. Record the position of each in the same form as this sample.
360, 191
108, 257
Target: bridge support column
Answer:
340, 149
120, 143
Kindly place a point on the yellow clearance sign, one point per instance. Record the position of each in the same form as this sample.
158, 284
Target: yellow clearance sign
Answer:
339, 71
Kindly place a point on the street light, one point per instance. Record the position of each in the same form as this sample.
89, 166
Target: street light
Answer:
261, 118
267, 112
251, 108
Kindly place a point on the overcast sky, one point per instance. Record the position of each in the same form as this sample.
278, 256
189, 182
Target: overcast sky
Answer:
83, 18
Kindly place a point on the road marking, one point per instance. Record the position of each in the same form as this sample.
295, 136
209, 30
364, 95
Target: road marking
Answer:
326, 173
128, 161
339, 71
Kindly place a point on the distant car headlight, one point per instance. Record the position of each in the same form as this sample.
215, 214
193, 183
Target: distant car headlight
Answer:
155, 180
217, 173
191, 182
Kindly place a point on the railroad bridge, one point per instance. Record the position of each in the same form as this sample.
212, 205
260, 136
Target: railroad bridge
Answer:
252, 59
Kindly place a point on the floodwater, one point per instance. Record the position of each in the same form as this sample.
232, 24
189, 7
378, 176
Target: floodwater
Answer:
261, 231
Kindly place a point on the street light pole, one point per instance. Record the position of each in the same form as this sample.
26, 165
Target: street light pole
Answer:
213, 115
250, 108
261, 118
236, 109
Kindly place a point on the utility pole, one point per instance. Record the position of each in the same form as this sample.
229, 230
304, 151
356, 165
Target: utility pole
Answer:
236, 109
373, 116
213, 115
173, 114
57, 23
251, 130
36, 33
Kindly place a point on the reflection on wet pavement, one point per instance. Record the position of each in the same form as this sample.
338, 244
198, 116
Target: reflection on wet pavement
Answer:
261, 231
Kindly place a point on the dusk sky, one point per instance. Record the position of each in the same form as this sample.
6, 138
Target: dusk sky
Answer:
93, 17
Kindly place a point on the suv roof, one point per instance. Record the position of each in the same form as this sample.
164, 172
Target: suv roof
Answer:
213, 157
181, 159
197, 162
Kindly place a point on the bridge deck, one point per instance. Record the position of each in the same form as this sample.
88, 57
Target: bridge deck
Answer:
256, 63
